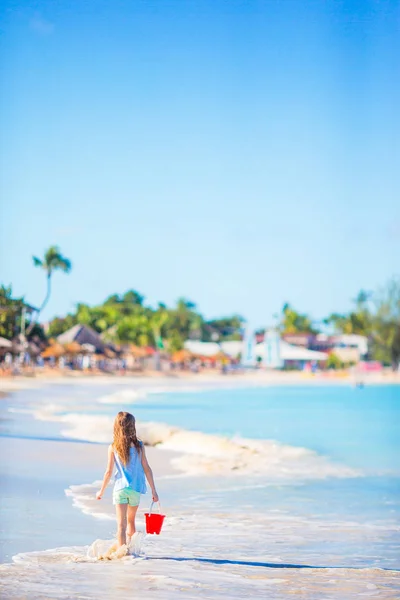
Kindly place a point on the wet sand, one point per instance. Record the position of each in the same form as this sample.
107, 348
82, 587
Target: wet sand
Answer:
36, 512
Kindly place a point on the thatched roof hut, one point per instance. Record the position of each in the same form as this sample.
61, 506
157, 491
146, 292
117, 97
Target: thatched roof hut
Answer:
55, 350
82, 334
109, 353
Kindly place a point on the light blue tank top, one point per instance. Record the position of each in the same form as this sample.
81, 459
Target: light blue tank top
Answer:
130, 475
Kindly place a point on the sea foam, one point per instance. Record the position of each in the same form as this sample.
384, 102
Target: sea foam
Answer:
204, 555
199, 453
202, 453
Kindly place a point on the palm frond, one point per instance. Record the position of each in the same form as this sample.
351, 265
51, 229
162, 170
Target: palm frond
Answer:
37, 262
65, 265
51, 253
53, 260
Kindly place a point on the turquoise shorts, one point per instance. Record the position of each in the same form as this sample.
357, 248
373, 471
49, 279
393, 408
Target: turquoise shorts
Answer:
126, 496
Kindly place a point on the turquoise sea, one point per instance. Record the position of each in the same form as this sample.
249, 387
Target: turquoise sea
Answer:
315, 477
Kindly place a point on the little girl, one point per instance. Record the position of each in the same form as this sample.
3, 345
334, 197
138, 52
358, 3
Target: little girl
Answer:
128, 456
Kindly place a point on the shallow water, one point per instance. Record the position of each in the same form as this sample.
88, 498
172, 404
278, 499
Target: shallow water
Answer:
359, 427
315, 514
216, 548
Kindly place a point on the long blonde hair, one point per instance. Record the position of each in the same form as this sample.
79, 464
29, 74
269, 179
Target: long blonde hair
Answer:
125, 436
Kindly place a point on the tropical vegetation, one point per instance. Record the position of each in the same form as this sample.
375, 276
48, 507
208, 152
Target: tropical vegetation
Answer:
14, 317
126, 318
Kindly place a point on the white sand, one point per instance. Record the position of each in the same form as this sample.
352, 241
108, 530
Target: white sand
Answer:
61, 455
206, 379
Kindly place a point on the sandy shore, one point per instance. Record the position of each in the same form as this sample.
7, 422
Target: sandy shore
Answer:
154, 379
34, 477
64, 456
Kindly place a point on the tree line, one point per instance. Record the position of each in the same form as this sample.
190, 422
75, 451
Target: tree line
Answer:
125, 318
375, 315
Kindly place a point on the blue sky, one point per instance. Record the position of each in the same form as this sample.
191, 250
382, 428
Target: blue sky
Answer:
240, 154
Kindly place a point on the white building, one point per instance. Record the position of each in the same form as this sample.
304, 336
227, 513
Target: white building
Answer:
288, 352
359, 342
202, 348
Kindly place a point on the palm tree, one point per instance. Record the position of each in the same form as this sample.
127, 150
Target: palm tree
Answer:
52, 261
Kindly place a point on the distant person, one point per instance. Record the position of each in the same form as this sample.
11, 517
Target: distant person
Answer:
127, 455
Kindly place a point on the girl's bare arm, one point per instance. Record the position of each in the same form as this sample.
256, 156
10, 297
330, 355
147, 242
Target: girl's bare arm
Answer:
108, 473
149, 475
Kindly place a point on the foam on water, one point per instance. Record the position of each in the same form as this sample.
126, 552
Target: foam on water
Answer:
109, 550
241, 539
132, 395
142, 392
83, 498
207, 554
123, 397
205, 453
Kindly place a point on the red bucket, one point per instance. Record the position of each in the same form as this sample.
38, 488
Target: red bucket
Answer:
154, 521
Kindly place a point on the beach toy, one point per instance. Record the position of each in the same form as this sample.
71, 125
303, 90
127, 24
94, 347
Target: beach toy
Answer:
154, 521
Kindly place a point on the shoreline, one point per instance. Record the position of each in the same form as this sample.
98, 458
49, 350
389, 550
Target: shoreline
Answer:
48, 470
198, 452
211, 540
254, 378
198, 552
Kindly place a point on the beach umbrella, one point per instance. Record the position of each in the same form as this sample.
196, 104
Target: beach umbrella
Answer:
181, 356
220, 356
202, 358
5, 343
53, 351
135, 350
73, 348
149, 351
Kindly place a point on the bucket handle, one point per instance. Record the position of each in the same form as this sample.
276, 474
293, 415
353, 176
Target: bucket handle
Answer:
151, 507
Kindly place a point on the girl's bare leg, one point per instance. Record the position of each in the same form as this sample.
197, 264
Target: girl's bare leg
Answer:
131, 528
121, 510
